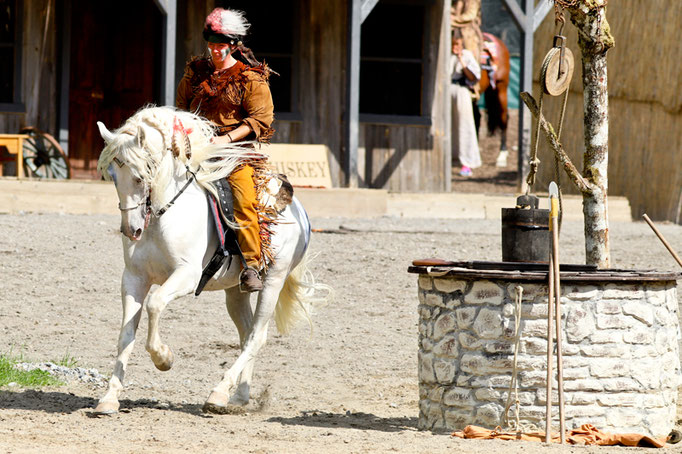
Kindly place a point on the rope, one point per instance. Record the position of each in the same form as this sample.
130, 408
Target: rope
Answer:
513, 384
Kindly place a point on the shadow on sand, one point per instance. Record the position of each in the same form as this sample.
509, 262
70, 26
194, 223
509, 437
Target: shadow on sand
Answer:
348, 420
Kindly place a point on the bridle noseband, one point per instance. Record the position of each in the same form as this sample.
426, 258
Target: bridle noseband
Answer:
148, 202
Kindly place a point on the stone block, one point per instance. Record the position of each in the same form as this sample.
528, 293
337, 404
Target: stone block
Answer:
609, 367
487, 394
485, 292
445, 371
425, 282
581, 293
458, 419
533, 346
434, 299
638, 336
580, 398
532, 378
623, 292
435, 395
465, 317
506, 348
534, 311
609, 307
606, 351
647, 372
619, 399
469, 341
488, 415
445, 324
449, 285
582, 411
483, 365
579, 323
425, 368
620, 384
605, 321
588, 384
530, 291
447, 347
459, 397
575, 373
488, 324
617, 417
426, 344
609, 336
641, 312
534, 328
491, 381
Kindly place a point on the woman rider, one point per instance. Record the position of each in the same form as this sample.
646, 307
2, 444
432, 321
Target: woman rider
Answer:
230, 88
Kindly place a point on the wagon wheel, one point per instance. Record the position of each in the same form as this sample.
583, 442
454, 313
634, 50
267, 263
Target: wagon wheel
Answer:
43, 157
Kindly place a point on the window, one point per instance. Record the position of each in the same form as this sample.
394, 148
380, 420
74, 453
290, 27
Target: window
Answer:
10, 55
271, 38
392, 59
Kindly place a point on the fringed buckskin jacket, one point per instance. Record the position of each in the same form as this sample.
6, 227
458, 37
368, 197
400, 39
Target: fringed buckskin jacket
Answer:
229, 98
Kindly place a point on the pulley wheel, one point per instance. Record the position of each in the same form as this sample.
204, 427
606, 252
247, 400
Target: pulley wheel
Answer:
554, 83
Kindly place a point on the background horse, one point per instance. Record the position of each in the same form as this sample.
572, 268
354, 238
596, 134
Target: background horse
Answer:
495, 54
161, 161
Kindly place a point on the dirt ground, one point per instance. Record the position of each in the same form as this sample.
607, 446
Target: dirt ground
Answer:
350, 386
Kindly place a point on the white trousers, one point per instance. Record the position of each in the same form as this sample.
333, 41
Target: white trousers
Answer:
463, 130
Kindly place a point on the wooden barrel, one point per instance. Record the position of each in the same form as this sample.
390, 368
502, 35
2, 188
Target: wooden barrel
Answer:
525, 235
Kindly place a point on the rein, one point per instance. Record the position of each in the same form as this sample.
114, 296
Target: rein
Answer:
147, 201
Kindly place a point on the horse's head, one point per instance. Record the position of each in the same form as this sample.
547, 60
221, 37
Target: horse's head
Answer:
132, 185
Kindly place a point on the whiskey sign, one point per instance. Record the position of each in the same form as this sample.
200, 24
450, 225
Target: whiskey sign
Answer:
304, 164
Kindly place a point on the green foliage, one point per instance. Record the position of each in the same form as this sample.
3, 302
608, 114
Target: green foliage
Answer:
33, 378
67, 361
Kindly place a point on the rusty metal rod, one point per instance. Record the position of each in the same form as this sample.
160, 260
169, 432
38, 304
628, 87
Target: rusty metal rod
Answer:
663, 240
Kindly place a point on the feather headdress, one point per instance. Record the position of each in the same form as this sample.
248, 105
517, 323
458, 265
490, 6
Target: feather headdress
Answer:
226, 22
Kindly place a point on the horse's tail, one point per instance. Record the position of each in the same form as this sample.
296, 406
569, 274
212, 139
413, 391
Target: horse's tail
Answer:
299, 296
493, 110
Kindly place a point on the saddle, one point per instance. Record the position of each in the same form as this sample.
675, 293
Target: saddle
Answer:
274, 195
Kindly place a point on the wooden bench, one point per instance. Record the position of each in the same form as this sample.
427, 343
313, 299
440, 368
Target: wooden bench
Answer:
15, 144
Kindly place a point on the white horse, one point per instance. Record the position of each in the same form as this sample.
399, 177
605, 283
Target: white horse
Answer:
169, 237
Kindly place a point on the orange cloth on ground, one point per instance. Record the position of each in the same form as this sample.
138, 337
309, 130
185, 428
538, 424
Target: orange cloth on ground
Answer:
245, 200
587, 434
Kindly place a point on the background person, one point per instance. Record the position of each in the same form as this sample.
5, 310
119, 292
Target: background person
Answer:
465, 73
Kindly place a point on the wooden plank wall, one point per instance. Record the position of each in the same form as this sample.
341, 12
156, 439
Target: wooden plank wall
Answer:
40, 100
645, 107
401, 158
321, 81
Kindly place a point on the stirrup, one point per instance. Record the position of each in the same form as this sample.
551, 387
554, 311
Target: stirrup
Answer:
243, 288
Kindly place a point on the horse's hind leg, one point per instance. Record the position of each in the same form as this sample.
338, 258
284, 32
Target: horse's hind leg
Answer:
239, 307
133, 292
182, 282
240, 372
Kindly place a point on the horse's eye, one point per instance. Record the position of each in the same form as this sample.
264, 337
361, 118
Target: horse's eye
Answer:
138, 180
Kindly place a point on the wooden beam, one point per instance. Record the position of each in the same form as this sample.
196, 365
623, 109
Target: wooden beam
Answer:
541, 11
352, 94
367, 7
169, 9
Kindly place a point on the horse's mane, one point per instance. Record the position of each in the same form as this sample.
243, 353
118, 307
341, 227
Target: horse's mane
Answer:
153, 162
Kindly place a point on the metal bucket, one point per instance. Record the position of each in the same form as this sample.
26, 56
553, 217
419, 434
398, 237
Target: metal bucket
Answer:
525, 232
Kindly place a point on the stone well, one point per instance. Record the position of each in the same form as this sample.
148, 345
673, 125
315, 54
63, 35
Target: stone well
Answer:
620, 335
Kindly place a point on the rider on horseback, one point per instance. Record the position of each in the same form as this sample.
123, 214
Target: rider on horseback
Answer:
230, 88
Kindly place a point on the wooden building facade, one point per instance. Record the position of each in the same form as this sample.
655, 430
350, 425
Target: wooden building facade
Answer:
75, 64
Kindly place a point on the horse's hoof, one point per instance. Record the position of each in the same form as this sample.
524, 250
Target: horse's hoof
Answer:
166, 361
502, 159
106, 408
218, 403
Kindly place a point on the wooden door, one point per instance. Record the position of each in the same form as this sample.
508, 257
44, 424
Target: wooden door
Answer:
115, 66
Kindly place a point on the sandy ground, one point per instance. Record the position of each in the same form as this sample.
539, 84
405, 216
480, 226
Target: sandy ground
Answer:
350, 386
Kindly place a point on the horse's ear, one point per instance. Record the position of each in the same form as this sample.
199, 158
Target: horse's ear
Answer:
140, 137
107, 135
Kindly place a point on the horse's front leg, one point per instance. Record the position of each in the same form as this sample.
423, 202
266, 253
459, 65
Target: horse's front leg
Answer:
180, 283
239, 375
133, 292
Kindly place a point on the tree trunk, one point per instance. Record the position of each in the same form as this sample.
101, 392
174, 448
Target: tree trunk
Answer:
589, 17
